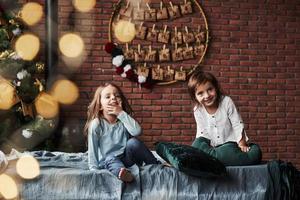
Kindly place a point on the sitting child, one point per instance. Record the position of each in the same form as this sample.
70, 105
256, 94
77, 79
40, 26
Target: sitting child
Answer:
111, 134
220, 129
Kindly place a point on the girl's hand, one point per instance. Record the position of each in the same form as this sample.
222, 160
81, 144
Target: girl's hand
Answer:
114, 110
244, 148
243, 144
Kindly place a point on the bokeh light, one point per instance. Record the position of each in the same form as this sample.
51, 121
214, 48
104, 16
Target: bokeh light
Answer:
74, 63
125, 31
7, 97
8, 187
31, 13
46, 105
65, 91
27, 46
84, 5
28, 167
71, 45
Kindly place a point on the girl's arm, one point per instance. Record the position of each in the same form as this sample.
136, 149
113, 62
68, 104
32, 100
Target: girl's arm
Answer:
201, 124
93, 142
237, 125
130, 124
243, 144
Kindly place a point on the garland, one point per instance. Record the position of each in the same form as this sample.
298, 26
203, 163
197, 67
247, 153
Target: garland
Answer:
124, 67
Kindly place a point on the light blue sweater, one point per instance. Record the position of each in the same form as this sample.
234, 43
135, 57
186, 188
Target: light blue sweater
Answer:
105, 139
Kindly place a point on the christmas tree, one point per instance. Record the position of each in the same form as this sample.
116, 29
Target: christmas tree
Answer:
21, 82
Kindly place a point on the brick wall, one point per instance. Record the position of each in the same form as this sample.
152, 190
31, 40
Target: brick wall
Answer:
253, 50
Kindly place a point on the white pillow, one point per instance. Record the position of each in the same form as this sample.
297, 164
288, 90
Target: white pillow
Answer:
3, 162
158, 157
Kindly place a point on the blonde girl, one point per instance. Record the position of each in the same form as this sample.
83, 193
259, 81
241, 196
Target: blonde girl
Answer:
111, 133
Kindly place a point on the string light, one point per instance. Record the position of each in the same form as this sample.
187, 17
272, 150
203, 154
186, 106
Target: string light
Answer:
8, 187
31, 13
59, 91
125, 31
46, 105
27, 46
28, 167
71, 45
7, 95
84, 5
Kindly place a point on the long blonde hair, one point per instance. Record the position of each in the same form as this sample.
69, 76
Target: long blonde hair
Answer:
94, 109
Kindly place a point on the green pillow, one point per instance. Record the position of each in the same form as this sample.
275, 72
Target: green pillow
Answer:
190, 160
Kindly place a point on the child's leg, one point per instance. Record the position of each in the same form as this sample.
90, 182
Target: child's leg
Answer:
229, 153
136, 152
116, 166
254, 154
203, 144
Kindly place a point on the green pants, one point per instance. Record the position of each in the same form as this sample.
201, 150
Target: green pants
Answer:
229, 153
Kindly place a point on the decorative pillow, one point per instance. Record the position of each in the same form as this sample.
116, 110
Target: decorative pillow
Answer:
190, 160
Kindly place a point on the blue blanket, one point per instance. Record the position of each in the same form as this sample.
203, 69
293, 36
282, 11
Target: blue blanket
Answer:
66, 176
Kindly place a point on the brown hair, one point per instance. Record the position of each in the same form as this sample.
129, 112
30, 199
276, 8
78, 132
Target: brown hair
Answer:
94, 109
200, 77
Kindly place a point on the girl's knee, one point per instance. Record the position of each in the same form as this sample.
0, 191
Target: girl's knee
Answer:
255, 152
134, 143
200, 141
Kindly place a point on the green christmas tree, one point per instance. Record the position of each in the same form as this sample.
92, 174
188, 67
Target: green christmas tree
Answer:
20, 126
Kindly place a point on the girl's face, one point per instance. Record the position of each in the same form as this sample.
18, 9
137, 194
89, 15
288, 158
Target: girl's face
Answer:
206, 94
110, 97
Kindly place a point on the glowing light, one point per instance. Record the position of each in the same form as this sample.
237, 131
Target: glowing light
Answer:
125, 31
31, 13
28, 167
65, 92
27, 46
74, 63
84, 5
7, 97
46, 105
8, 187
71, 45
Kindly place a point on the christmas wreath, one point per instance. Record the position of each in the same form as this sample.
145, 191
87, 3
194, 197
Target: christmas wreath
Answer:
157, 66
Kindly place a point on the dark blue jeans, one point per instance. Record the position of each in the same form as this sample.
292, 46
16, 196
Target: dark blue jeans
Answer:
135, 153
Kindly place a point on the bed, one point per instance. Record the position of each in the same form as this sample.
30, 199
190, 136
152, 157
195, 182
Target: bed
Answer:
65, 176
